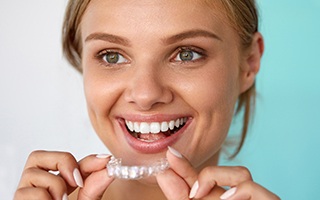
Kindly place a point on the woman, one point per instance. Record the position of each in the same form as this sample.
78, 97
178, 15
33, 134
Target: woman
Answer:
162, 80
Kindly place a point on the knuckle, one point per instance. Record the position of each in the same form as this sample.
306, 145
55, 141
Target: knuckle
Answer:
42, 177
43, 194
34, 158
67, 157
32, 193
208, 171
249, 185
28, 174
58, 183
34, 154
18, 194
243, 172
208, 174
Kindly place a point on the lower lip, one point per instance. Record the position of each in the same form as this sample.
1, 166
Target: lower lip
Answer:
152, 147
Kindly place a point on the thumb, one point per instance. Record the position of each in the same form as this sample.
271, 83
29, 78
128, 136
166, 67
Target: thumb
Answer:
96, 179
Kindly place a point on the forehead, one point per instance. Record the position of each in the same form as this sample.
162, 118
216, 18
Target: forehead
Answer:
154, 17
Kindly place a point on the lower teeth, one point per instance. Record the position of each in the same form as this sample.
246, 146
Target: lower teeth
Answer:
144, 140
153, 137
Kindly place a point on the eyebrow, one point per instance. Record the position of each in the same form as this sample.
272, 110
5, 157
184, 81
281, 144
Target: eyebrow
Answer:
190, 34
108, 38
170, 40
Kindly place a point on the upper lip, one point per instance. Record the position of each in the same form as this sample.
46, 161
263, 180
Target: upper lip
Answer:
153, 118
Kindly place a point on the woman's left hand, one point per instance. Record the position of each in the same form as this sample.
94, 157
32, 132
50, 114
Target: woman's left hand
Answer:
182, 182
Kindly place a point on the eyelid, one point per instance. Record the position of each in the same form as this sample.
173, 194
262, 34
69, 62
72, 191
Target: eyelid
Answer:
197, 50
104, 52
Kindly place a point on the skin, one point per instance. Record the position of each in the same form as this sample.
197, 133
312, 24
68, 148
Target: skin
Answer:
169, 87
149, 82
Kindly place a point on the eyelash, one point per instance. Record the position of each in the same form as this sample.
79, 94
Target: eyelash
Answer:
101, 56
200, 54
196, 52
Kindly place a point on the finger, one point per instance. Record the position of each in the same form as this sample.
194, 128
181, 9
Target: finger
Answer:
249, 190
181, 166
93, 163
54, 185
221, 176
93, 169
32, 193
63, 162
184, 169
173, 186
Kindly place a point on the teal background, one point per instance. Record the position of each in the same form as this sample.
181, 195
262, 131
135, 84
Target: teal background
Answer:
282, 149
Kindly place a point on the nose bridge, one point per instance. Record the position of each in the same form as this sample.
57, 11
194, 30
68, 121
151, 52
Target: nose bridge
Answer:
147, 87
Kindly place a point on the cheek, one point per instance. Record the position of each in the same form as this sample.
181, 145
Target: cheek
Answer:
213, 91
99, 87
100, 95
213, 96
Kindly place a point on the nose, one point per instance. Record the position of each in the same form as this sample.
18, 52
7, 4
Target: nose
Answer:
147, 88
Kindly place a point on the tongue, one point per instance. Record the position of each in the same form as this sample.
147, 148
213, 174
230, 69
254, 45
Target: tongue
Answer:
152, 137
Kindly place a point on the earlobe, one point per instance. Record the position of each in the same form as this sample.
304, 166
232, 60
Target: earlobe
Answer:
252, 62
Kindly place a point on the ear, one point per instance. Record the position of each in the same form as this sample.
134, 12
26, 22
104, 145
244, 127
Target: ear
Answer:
251, 63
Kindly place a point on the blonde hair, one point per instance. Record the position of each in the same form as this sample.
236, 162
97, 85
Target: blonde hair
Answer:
242, 15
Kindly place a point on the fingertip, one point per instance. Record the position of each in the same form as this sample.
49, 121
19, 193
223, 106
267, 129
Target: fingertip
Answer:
172, 185
194, 190
93, 163
208, 186
65, 197
103, 156
95, 185
228, 194
175, 152
77, 177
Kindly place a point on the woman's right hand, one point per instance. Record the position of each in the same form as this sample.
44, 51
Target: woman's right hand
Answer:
38, 182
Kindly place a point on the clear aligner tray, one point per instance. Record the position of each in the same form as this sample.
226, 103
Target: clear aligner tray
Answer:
115, 169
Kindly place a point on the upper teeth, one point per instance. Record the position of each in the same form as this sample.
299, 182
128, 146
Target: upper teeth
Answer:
154, 127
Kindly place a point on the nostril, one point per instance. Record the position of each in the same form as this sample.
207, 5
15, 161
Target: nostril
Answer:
148, 95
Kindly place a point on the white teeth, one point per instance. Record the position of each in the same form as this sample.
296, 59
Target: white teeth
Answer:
171, 125
144, 128
177, 123
136, 127
164, 126
130, 125
154, 127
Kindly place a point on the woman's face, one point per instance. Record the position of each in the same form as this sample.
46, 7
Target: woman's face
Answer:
153, 66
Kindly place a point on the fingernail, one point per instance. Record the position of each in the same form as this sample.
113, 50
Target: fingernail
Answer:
103, 156
65, 197
228, 193
175, 152
77, 177
194, 190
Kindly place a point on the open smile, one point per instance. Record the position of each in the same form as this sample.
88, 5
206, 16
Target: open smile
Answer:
151, 132
153, 136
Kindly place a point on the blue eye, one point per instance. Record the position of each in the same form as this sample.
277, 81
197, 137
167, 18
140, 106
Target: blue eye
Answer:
186, 55
112, 57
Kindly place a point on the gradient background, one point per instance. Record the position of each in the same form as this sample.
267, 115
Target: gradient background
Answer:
42, 103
